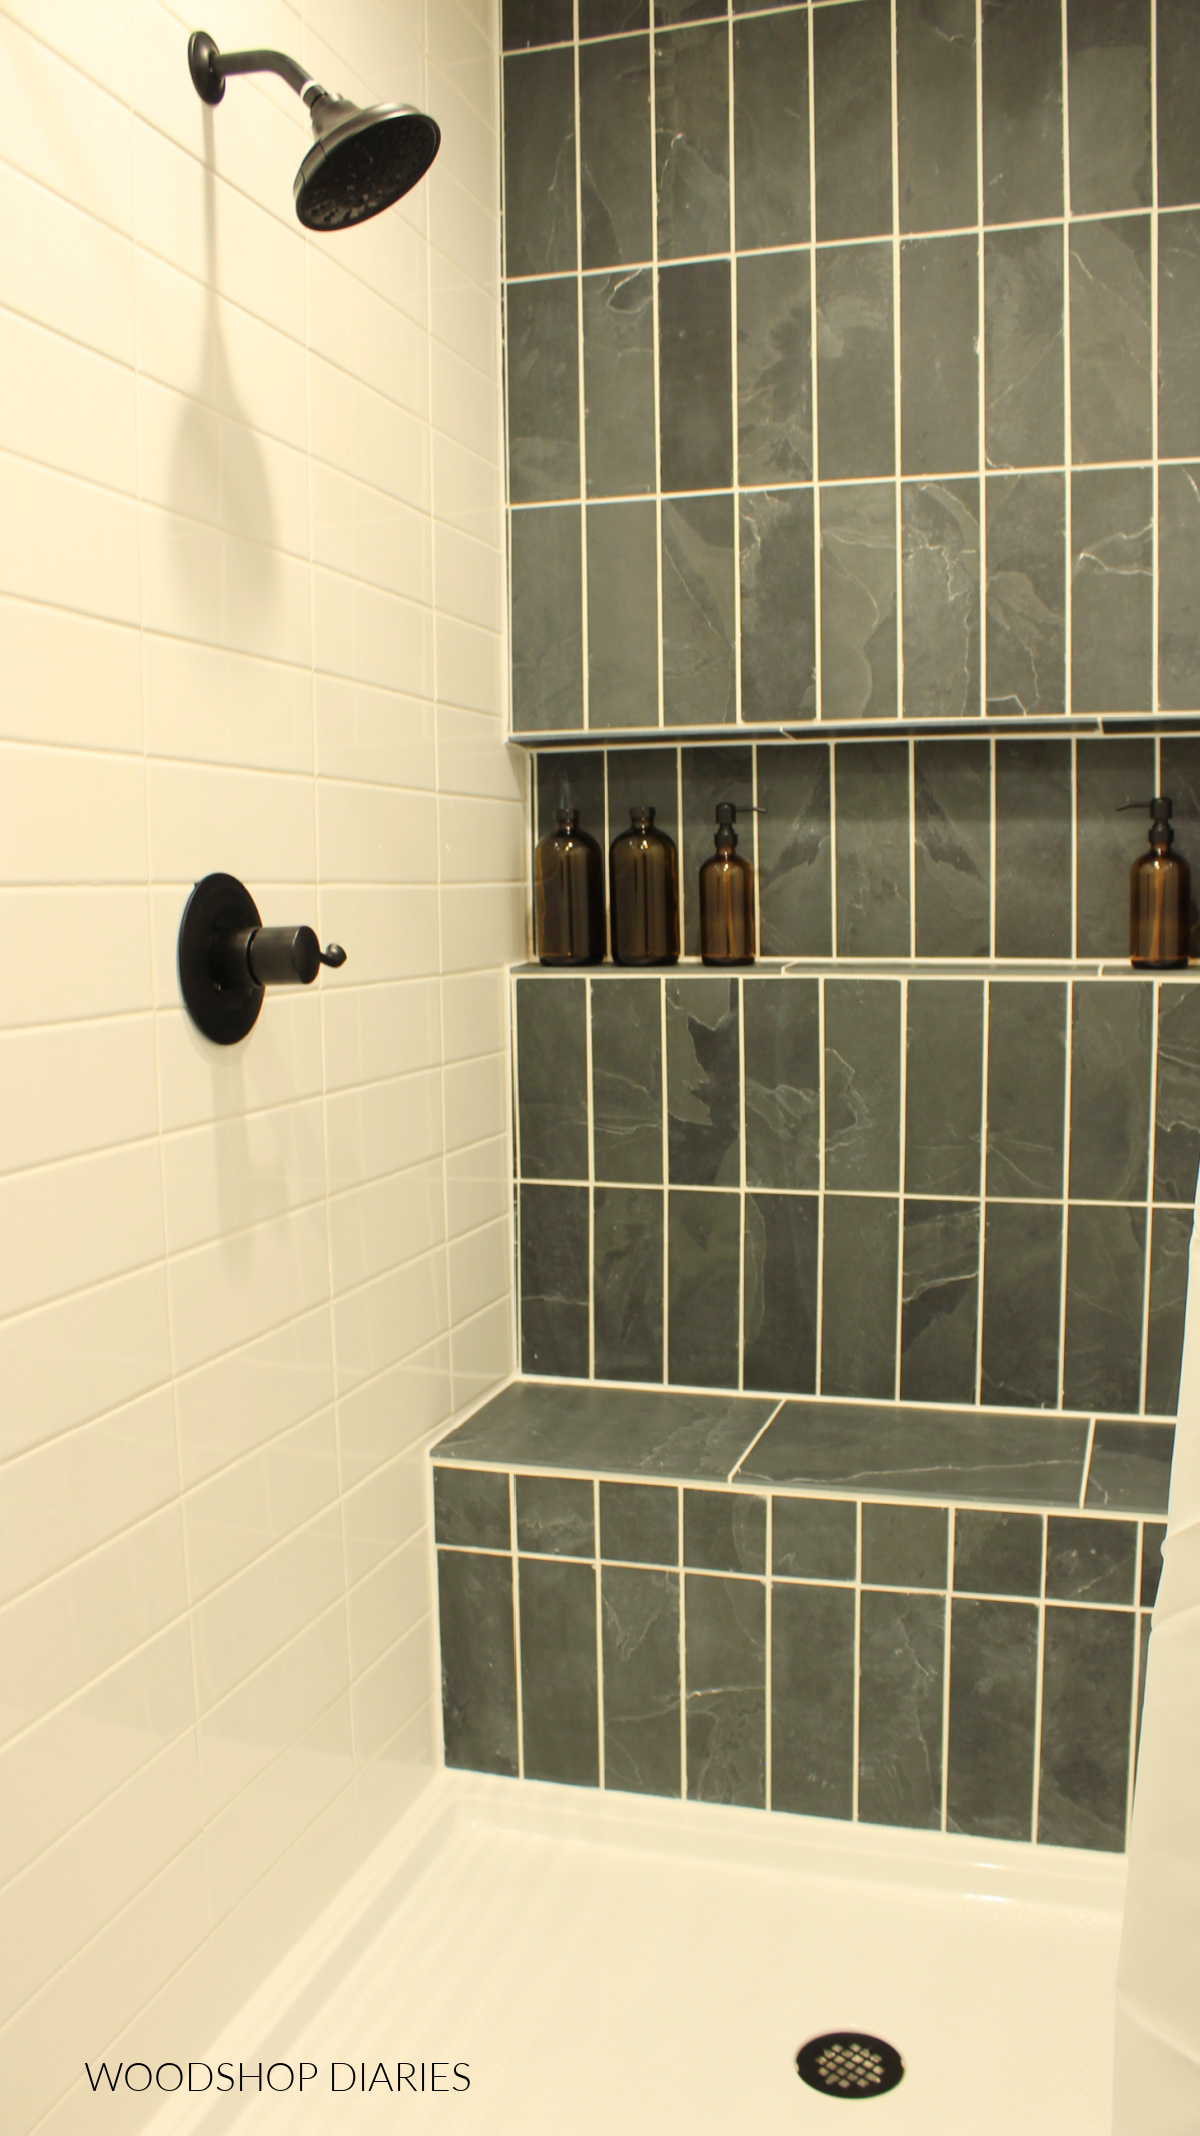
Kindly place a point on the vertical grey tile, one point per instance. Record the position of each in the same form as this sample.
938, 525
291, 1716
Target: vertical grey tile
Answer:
543, 391
1178, 334
774, 368
1108, 59
1109, 774
858, 1314
780, 1284
1143, 1654
552, 1078
852, 94
554, 1281
627, 1283
547, 619
1111, 362
1170, 1241
699, 605
1090, 1560
559, 1694
1153, 1537
1112, 633
1179, 588
607, 18
627, 1081
997, 1553
1087, 1687
940, 1300
1177, 1111
1026, 1065
900, 1710
856, 360
1111, 1035
1022, 111
710, 776
643, 778
703, 1078
536, 22
770, 129
622, 576
1178, 71
724, 1531
993, 1707
952, 840
618, 383
1034, 811
935, 113
615, 168
1130, 1464
691, 88
539, 162
944, 1087
873, 849
862, 1084
703, 1283
479, 1678
941, 600
939, 355
1026, 593
641, 1680
726, 1690
812, 1701
555, 1516
1179, 777
858, 602
1106, 1278
639, 1523
779, 617
695, 381
570, 778
794, 870
904, 1546
1023, 328
1022, 1276
782, 1023
813, 1538
471, 1506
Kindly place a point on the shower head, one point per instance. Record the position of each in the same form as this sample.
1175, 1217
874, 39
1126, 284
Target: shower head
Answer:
361, 161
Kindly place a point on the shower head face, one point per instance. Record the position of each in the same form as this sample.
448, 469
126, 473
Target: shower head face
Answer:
363, 165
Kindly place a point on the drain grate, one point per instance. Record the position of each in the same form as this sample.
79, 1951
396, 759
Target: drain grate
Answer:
849, 2065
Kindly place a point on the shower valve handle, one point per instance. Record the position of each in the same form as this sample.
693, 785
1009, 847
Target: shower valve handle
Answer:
270, 956
227, 958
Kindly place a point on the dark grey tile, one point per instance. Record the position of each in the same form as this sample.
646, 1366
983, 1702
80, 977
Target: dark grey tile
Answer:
997, 1553
1034, 812
774, 368
935, 113
709, 776
794, 872
1111, 1034
726, 1690
552, 1078
939, 355
627, 1283
944, 1087
536, 22
1106, 1276
618, 382
627, 1080
921, 1453
546, 614
1023, 371
901, 1662
539, 162
1153, 1537
904, 1546
1111, 363
953, 845
779, 616
770, 129
700, 1437
941, 600
813, 1539
570, 778
858, 602
1179, 777
782, 1024
1130, 1468
812, 1701
479, 1678
1108, 58
607, 18
858, 1317
555, 1517
724, 1531
554, 1280
873, 911
1027, 1031
704, 1261
1022, 111
691, 88
543, 391
471, 1506
1087, 1688
615, 169
852, 93
695, 383
1026, 597
1112, 539
1178, 333
993, 1711
855, 361
1090, 1560
622, 573
643, 778
667, 12
1022, 1274
1170, 1241
640, 1612
703, 1076
639, 1523
699, 605
862, 1083
939, 1313
1179, 588
780, 1292
559, 1711
1143, 1654
1178, 67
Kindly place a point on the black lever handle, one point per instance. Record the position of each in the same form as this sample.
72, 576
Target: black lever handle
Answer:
227, 958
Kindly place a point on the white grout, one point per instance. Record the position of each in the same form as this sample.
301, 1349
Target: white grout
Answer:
1068, 453
897, 411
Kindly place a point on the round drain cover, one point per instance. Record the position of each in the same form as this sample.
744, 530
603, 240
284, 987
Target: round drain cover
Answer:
849, 2065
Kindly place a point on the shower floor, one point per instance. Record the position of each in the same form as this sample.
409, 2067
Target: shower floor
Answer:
615, 1964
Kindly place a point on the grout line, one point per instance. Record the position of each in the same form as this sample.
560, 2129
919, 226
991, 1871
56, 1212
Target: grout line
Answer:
740, 998
666, 1188
768, 1657
993, 847
733, 383
900, 1195
1155, 669
982, 388
1155, 1012
1074, 847
897, 410
1087, 1464
591, 1178
601, 1760
1068, 1069
1137, 1672
856, 1729
912, 848
516, 1597
818, 632
982, 1204
1039, 1690
947, 1622
657, 369
1068, 433
781, 1402
832, 748
518, 1171
818, 1366
683, 1757
585, 650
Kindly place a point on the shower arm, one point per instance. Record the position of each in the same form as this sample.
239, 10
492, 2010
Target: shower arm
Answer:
209, 67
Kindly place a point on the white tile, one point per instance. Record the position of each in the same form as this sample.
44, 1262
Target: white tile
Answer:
383, 1128
478, 1185
76, 1087
227, 1293
388, 1319
69, 679
363, 532
368, 635
64, 130
380, 1225
87, 38
273, 1707
366, 336
371, 734
72, 1361
239, 1515
475, 760
68, 543
469, 577
385, 1512
482, 1354
67, 405
66, 270
66, 817
389, 1601
189, 216
200, 1082
469, 667
251, 1395
224, 357
469, 146
224, 589
365, 433
228, 1174
388, 933
74, 953
265, 1606
482, 841
392, 1691
257, 138
258, 1827
372, 1032
480, 1269
66, 1498
410, 1402
477, 1099
463, 229
203, 464
483, 927
67, 1226
371, 834
467, 490
464, 315
210, 706
391, 1781
475, 1015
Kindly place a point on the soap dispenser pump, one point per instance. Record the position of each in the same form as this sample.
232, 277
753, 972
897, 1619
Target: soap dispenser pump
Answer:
726, 897
1160, 902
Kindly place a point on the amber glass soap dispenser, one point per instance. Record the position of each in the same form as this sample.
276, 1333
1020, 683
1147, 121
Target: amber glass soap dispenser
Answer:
1160, 898
726, 897
568, 894
643, 881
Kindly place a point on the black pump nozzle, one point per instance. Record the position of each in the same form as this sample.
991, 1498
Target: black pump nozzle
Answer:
726, 819
1161, 833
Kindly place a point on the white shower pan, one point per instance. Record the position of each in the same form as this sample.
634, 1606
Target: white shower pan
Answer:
608, 1963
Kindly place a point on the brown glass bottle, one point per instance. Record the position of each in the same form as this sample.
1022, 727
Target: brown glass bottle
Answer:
568, 894
726, 898
1160, 899
643, 893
